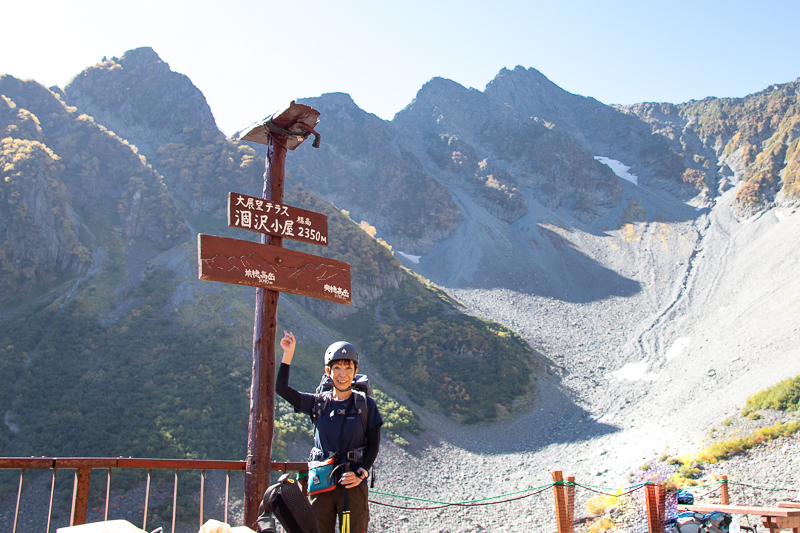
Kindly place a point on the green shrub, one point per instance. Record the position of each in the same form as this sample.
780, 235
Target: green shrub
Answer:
688, 472
784, 396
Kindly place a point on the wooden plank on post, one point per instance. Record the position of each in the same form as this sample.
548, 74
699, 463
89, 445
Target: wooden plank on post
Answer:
297, 120
80, 496
724, 496
270, 267
562, 517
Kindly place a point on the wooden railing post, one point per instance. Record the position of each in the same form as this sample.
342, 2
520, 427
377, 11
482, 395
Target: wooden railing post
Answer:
723, 484
570, 497
80, 496
661, 500
83, 471
563, 525
654, 524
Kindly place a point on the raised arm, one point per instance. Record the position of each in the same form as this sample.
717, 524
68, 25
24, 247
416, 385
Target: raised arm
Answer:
282, 387
288, 343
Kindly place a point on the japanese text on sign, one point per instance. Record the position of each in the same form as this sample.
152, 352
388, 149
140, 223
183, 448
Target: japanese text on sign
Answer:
263, 216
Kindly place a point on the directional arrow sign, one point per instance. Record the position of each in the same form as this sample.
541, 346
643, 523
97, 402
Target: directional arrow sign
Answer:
270, 267
263, 216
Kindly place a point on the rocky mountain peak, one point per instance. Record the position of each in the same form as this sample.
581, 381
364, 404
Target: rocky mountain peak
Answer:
441, 106
340, 100
522, 75
530, 92
144, 57
140, 98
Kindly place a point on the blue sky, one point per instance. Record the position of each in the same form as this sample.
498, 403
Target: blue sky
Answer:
251, 58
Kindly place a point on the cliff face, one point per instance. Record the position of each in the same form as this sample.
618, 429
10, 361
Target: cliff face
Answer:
168, 120
61, 172
752, 140
536, 136
145, 102
165, 115
495, 152
362, 167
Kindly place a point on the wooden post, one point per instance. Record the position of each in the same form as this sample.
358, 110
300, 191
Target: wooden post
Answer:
654, 524
661, 500
724, 497
570, 497
80, 496
563, 525
262, 385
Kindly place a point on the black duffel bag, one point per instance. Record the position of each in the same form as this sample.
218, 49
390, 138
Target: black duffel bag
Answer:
286, 502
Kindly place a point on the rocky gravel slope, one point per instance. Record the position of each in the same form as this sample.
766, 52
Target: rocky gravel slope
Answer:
716, 320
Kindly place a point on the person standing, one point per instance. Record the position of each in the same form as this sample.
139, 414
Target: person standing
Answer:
354, 445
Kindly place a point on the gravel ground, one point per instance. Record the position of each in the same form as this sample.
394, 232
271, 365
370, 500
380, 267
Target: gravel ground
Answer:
717, 318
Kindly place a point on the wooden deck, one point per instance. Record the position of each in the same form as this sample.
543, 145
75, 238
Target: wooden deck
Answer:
773, 518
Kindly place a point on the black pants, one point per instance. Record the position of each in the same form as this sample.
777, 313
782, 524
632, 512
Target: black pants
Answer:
329, 505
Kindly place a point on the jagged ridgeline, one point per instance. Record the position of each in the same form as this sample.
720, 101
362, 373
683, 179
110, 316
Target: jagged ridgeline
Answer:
755, 139
110, 345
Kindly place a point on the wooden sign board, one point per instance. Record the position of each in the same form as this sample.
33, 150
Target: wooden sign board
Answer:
271, 267
263, 216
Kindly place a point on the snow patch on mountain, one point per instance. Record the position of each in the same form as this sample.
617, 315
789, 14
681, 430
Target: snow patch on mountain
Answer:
635, 372
619, 169
413, 258
678, 347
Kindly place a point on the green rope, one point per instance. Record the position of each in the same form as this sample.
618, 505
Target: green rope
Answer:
476, 503
627, 489
790, 489
706, 485
464, 502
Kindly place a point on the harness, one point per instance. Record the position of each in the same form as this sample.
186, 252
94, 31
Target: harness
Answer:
321, 403
321, 400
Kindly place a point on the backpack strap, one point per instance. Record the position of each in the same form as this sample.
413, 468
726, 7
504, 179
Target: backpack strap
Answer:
320, 403
322, 400
361, 407
266, 520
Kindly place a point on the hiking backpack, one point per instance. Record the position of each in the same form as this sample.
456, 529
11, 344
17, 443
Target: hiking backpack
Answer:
285, 501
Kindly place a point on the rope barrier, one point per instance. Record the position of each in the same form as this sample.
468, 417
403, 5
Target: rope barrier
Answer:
536, 490
704, 485
634, 488
791, 489
466, 503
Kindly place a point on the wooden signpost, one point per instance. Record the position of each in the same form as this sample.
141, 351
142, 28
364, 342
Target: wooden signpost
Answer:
272, 269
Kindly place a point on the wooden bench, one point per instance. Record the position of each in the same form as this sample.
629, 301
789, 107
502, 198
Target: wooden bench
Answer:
774, 518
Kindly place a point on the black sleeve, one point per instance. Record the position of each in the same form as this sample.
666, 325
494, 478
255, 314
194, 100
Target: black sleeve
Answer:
283, 389
373, 444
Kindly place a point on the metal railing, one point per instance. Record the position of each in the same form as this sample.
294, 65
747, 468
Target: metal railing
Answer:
83, 468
